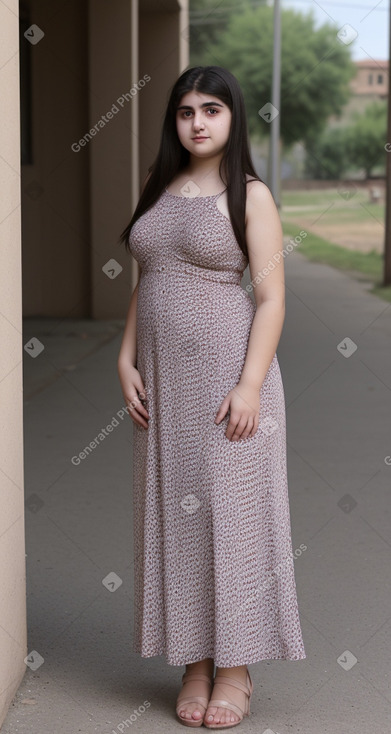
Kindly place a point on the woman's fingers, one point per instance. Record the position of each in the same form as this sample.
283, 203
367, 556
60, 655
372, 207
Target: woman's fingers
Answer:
255, 427
222, 409
138, 413
136, 409
243, 405
241, 427
137, 418
236, 427
248, 429
134, 392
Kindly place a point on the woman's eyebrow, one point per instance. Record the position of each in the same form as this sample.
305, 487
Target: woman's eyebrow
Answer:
205, 104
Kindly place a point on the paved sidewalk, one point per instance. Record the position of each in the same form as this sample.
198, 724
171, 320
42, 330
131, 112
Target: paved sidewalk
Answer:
79, 527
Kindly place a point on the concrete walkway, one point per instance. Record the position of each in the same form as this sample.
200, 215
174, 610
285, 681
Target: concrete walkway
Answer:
83, 676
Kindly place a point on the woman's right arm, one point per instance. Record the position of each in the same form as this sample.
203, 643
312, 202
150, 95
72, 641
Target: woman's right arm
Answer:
130, 378
128, 351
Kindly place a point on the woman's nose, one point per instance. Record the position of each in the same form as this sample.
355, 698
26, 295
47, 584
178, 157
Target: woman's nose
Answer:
197, 123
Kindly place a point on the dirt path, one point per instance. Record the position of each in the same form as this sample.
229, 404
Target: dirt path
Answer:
359, 236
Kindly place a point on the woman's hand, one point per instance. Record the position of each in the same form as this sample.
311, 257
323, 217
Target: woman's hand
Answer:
131, 384
243, 404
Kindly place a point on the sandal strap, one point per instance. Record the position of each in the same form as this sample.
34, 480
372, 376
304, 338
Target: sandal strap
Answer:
196, 676
224, 703
227, 705
227, 680
202, 700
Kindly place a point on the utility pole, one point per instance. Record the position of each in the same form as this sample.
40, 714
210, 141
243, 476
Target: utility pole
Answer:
387, 239
276, 102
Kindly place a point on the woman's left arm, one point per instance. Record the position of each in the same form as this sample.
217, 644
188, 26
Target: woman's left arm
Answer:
264, 239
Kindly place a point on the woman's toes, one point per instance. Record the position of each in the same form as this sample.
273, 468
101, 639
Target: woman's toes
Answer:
227, 716
217, 716
192, 712
210, 714
221, 716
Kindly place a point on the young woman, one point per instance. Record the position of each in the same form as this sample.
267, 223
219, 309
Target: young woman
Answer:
213, 568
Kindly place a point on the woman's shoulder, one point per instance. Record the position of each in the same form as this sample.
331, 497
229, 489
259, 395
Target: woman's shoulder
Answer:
259, 198
255, 187
258, 192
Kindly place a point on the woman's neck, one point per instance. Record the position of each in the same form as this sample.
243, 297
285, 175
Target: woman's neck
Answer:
205, 171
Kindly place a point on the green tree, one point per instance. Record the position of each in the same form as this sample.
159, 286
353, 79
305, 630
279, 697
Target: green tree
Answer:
315, 68
208, 18
327, 158
366, 136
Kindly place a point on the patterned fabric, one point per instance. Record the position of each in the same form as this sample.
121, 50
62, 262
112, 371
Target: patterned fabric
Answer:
213, 561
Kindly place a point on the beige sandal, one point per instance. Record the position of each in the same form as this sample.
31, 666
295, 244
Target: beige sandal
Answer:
226, 703
201, 700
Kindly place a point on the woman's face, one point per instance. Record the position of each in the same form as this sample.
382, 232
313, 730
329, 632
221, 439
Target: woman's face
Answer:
203, 115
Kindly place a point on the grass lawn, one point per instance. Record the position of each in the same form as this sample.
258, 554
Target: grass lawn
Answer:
364, 266
332, 205
325, 197
331, 213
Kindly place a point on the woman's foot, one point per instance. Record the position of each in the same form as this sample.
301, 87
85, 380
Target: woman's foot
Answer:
220, 715
192, 711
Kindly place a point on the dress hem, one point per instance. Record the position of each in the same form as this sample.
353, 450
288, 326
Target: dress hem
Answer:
219, 663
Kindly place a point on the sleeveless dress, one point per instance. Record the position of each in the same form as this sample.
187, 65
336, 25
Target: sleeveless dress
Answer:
213, 561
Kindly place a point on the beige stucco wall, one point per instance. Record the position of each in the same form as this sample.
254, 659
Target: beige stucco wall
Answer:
13, 641
70, 206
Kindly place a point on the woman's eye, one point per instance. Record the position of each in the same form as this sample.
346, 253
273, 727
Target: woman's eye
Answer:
209, 109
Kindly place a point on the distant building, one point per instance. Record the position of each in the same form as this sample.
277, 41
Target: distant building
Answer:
369, 84
371, 80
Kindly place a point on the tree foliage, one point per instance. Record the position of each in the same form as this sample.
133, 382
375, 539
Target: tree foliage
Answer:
359, 145
366, 137
208, 18
327, 157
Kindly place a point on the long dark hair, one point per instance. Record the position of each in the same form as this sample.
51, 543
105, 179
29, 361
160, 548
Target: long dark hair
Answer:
172, 157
